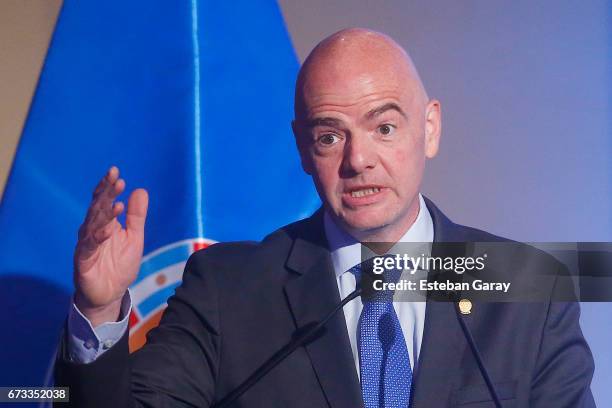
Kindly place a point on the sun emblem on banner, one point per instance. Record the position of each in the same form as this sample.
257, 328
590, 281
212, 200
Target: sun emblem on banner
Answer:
161, 271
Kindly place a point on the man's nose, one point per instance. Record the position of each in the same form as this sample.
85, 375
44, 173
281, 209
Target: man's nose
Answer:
359, 154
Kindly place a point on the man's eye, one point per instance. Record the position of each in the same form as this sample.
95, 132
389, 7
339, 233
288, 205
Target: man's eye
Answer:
386, 129
328, 139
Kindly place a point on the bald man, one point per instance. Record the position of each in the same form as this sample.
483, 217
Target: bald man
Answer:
364, 126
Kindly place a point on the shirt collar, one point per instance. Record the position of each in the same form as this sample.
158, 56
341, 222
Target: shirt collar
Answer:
346, 250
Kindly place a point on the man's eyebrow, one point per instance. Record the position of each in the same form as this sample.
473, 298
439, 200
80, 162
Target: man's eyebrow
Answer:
382, 109
327, 121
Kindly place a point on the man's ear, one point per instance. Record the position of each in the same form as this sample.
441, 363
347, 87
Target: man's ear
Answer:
299, 142
433, 127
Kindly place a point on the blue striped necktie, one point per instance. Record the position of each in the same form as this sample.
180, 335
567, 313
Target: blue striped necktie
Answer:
384, 362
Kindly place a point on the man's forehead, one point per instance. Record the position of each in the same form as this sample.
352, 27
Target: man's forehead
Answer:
353, 89
333, 119
357, 98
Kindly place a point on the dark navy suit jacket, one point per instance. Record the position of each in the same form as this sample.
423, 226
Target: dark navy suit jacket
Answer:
241, 302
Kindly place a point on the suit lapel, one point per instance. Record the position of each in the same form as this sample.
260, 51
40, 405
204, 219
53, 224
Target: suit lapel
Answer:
443, 344
312, 294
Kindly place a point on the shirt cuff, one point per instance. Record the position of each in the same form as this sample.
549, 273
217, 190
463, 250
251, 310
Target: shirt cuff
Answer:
86, 344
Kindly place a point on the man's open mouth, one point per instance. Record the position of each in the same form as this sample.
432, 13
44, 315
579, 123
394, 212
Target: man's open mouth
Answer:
365, 192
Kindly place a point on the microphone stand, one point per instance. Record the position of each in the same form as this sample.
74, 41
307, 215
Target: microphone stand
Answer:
478, 357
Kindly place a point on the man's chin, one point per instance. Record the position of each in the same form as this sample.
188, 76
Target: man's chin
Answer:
365, 223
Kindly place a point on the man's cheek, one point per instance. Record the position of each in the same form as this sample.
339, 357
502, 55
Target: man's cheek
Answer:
410, 153
403, 157
326, 177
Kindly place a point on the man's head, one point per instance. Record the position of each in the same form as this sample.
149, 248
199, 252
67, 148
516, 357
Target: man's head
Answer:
364, 126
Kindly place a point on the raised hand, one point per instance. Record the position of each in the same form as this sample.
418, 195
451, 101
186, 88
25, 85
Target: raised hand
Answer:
107, 256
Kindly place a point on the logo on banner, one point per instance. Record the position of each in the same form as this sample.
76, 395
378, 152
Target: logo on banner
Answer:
161, 271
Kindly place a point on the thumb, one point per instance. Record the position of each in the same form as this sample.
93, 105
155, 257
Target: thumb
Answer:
137, 210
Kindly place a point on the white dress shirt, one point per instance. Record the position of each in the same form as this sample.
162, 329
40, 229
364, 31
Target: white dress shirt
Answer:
346, 252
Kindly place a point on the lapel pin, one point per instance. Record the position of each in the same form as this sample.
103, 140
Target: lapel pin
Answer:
465, 306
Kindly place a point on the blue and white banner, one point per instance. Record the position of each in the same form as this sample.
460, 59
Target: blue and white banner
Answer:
192, 100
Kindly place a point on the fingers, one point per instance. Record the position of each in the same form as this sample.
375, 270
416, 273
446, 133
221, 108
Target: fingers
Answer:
102, 210
101, 220
118, 209
137, 211
108, 188
109, 178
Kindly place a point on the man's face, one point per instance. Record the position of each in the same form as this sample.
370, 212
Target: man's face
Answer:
364, 139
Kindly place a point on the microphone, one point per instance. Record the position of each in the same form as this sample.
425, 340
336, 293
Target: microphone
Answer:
483, 370
301, 337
